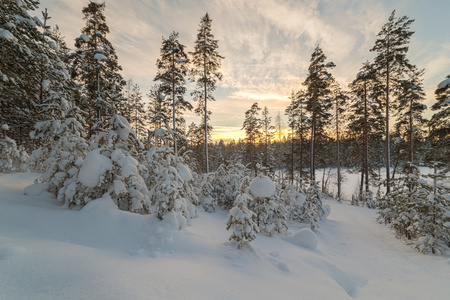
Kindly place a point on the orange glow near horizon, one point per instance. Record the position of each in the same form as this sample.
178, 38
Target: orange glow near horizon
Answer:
227, 134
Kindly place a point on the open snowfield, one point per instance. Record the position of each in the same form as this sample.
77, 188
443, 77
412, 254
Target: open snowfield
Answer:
52, 252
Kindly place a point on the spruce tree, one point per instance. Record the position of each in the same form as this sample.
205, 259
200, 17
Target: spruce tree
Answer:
95, 65
206, 63
390, 62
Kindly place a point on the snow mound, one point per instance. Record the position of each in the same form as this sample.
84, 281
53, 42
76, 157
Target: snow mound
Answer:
184, 172
262, 187
35, 189
94, 166
304, 238
327, 209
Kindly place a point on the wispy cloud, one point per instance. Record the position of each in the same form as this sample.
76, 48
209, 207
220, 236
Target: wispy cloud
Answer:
267, 44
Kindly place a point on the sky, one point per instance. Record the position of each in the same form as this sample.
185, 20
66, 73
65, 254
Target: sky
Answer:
267, 44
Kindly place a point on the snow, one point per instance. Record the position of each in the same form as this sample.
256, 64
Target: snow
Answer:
184, 172
5, 34
305, 237
94, 166
35, 189
444, 83
100, 57
50, 252
85, 38
262, 187
5, 127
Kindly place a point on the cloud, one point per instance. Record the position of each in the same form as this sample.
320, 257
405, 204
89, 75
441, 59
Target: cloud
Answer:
267, 44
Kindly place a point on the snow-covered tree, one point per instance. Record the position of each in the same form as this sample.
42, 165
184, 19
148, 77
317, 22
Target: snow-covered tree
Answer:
313, 206
12, 158
95, 65
242, 222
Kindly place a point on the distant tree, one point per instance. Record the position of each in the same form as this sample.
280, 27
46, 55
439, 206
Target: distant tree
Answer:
206, 62
267, 136
171, 72
137, 113
252, 126
319, 100
390, 64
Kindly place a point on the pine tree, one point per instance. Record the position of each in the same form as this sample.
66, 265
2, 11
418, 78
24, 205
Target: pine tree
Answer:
95, 65
390, 64
410, 121
206, 63
252, 126
319, 101
171, 72
365, 123
440, 124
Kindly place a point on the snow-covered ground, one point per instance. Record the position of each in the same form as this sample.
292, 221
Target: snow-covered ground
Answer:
51, 252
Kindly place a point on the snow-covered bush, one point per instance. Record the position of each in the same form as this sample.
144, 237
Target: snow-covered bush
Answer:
12, 158
242, 222
206, 192
170, 183
227, 183
418, 210
313, 207
8, 151
110, 169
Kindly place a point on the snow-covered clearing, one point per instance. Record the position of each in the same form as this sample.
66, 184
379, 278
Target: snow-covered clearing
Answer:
51, 252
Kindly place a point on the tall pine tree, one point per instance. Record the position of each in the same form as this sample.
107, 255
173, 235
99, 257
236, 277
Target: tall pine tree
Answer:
391, 47
206, 63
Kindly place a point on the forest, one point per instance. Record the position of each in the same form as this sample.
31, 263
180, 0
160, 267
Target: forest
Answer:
69, 114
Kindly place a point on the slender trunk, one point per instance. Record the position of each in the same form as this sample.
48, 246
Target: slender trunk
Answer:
313, 136
362, 181
291, 171
366, 139
206, 114
388, 151
173, 104
301, 146
337, 150
410, 148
